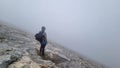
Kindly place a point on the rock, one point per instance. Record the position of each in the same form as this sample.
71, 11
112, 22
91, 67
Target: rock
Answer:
56, 58
5, 49
26, 62
8, 55
5, 60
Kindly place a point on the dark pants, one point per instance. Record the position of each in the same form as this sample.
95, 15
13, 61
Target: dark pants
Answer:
42, 49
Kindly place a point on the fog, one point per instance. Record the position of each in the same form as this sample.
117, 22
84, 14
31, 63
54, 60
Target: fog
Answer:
89, 27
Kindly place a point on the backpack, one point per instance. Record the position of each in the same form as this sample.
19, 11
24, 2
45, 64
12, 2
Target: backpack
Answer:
38, 36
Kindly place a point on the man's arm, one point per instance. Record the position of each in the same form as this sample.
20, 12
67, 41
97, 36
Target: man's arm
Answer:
46, 37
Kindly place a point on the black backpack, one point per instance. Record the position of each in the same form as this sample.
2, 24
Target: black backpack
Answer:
38, 36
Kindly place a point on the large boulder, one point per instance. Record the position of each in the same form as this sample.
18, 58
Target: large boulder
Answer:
27, 62
6, 60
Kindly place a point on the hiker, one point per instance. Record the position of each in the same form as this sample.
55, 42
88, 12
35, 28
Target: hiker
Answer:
42, 38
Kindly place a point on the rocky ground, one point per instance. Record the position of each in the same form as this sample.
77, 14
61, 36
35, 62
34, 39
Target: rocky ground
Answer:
18, 49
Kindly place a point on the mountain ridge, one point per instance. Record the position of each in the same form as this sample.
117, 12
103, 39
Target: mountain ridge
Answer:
18, 49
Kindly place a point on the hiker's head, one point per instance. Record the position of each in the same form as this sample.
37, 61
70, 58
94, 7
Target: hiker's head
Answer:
43, 28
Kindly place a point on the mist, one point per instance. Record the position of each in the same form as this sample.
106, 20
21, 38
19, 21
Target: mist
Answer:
89, 27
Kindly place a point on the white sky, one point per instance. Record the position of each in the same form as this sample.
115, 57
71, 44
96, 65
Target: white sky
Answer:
90, 27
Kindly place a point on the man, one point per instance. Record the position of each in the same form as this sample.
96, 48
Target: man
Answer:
42, 38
